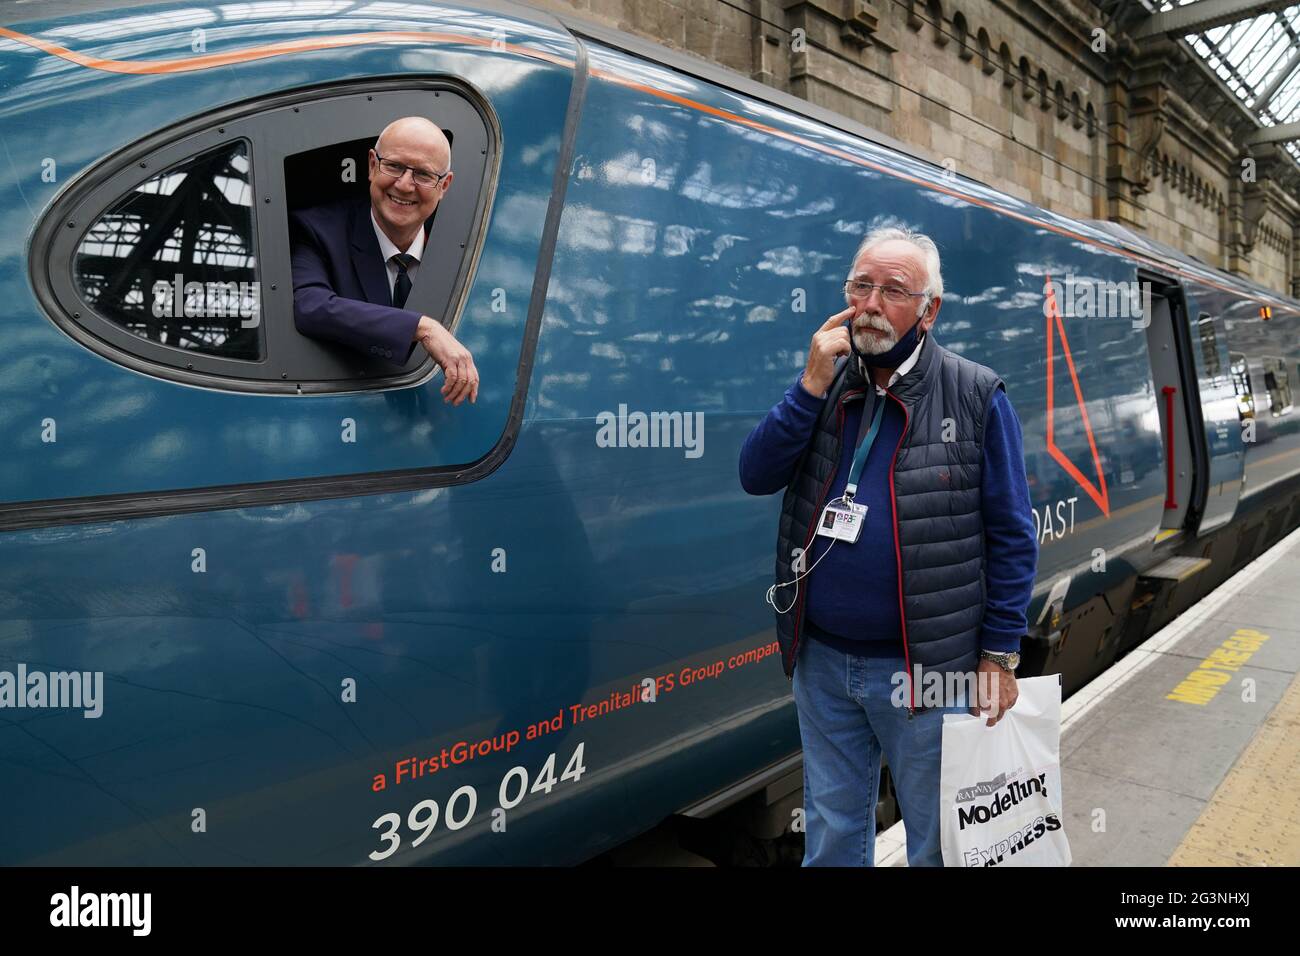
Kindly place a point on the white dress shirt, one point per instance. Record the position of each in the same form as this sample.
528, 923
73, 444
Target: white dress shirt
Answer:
388, 250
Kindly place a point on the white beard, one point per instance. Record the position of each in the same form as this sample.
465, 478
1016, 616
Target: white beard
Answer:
869, 344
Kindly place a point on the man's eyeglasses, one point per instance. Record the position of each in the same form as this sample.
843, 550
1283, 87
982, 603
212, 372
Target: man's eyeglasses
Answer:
422, 177
891, 293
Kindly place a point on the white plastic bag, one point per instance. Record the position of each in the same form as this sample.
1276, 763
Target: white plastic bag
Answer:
1000, 786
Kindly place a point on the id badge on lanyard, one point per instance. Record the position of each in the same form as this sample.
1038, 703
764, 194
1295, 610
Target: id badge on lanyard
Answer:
842, 519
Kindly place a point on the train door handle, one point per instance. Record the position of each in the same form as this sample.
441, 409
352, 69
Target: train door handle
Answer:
1169, 391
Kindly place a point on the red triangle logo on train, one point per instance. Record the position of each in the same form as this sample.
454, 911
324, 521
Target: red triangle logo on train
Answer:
1097, 492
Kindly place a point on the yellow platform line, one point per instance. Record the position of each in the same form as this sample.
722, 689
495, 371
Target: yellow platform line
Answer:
1253, 819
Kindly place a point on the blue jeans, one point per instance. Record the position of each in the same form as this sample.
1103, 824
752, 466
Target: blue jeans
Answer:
846, 721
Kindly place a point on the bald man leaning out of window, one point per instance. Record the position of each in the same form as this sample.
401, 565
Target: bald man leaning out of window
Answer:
354, 260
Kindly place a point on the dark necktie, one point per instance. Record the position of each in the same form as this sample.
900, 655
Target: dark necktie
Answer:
402, 285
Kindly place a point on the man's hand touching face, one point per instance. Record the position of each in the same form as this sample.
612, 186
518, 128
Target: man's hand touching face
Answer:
828, 343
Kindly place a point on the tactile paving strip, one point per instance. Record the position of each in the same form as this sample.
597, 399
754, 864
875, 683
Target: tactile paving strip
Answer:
1253, 819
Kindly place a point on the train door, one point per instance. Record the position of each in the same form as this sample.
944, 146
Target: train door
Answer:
1173, 373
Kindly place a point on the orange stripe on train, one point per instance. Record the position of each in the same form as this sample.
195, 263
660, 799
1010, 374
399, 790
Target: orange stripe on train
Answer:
286, 47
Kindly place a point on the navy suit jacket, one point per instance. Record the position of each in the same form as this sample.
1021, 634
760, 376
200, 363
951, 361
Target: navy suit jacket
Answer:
340, 282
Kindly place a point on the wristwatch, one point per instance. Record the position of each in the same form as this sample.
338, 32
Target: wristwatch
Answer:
1008, 662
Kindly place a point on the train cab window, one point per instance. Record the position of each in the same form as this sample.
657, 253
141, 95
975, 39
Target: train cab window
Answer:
177, 251
1278, 383
173, 262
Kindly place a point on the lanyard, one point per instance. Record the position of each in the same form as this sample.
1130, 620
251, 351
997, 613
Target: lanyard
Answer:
860, 458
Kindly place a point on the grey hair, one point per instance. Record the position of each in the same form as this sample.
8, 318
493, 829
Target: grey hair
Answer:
934, 277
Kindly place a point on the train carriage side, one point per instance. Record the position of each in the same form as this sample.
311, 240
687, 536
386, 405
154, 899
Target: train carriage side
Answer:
1254, 389
1132, 429
705, 236
753, 227
1225, 500
551, 554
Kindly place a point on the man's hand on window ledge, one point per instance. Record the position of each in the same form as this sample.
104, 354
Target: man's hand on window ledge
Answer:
461, 377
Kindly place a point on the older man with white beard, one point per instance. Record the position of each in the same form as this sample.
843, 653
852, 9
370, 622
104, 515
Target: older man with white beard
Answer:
910, 551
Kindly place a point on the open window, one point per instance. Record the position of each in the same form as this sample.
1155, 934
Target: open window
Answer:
178, 247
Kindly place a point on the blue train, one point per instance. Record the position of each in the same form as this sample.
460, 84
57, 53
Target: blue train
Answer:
267, 602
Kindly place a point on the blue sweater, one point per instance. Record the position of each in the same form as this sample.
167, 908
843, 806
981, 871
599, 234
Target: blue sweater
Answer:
852, 596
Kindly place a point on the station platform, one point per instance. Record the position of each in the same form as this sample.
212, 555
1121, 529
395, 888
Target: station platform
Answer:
1187, 751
